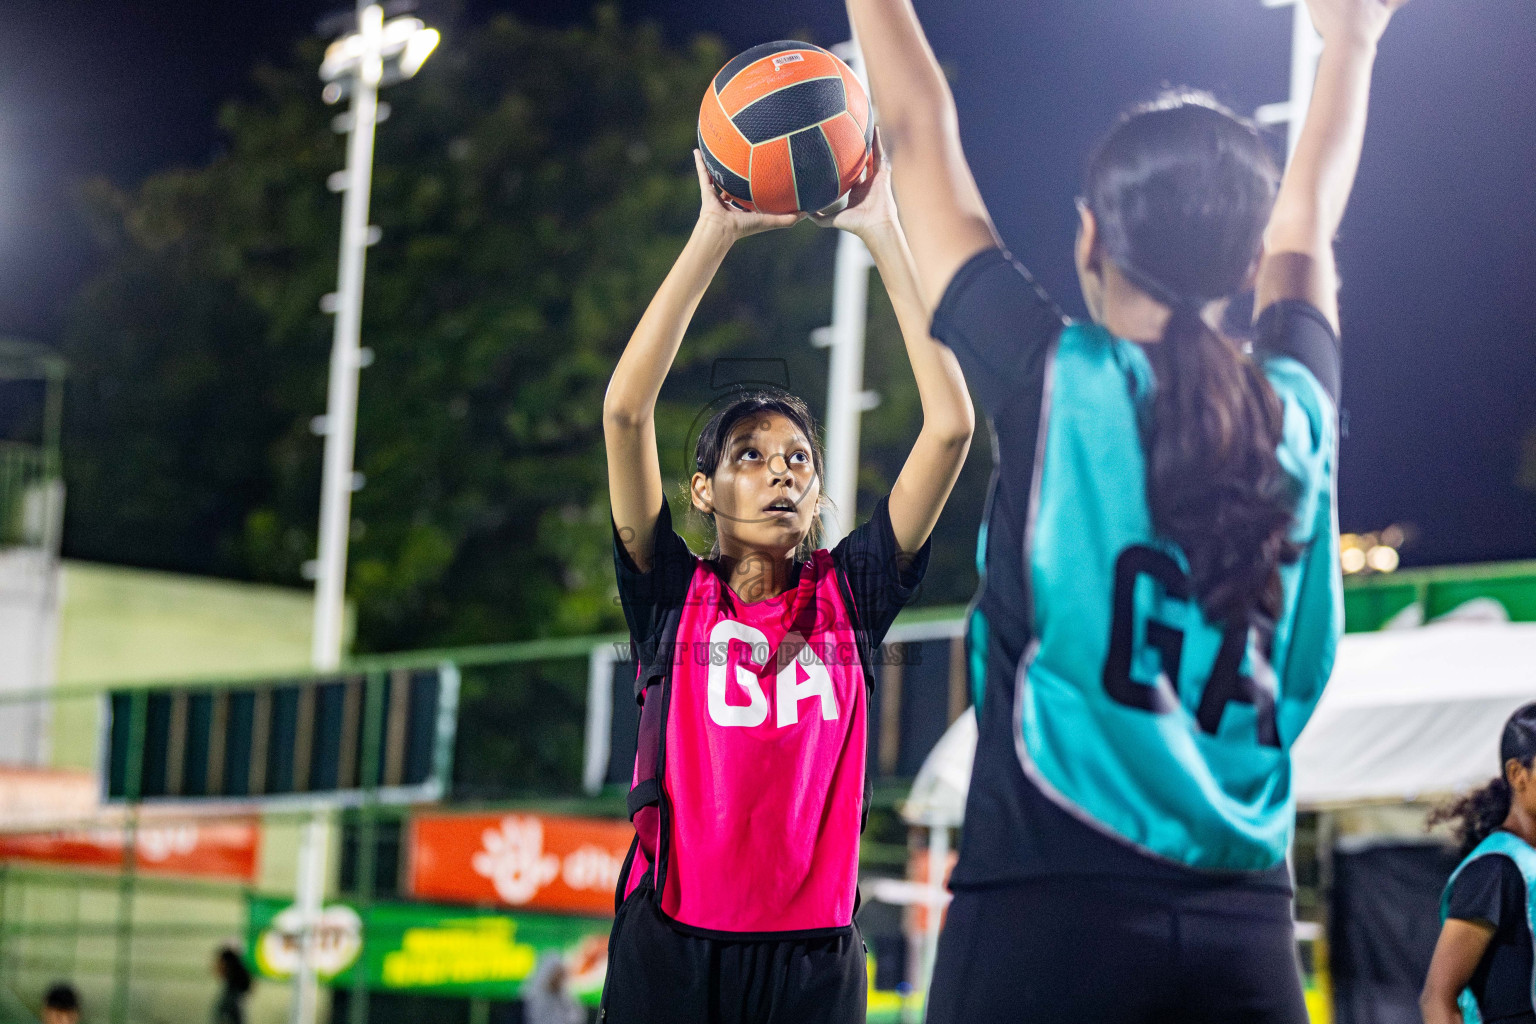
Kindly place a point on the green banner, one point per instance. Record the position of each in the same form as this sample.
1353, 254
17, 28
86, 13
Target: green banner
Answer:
430, 950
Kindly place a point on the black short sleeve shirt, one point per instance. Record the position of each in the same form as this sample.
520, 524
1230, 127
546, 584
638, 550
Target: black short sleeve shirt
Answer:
1490, 890
881, 578
647, 596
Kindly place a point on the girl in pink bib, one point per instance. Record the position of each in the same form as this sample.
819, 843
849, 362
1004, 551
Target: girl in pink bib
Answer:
749, 789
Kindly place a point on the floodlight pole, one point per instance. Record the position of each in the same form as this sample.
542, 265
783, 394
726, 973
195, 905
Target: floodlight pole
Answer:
1306, 48
353, 63
340, 425
846, 398
340, 428
337, 481
309, 900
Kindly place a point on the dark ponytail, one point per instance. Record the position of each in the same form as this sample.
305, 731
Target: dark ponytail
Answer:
1480, 813
1181, 191
1214, 482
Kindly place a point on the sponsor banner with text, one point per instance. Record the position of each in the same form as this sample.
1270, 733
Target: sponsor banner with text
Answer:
226, 849
428, 950
547, 862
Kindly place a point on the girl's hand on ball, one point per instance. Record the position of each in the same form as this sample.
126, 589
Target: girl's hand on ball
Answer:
715, 213
1352, 21
871, 204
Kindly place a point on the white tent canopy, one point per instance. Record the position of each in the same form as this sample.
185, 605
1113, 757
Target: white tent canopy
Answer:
1408, 713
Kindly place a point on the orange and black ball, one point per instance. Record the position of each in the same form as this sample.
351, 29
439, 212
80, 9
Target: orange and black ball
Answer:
786, 128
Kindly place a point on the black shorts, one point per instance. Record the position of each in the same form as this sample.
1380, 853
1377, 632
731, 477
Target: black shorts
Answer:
660, 975
1055, 951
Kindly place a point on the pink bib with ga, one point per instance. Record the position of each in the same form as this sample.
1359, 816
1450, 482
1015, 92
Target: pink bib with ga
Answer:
765, 747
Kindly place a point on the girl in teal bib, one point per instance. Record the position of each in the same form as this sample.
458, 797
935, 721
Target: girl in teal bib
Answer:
1483, 968
1161, 599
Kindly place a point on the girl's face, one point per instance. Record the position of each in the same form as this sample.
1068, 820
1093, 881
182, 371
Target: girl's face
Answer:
1522, 785
765, 492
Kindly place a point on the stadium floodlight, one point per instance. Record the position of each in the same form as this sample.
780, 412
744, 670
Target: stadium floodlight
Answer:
418, 48
368, 53
374, 54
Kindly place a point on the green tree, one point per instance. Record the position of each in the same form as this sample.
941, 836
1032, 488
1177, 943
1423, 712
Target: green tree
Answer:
533, 186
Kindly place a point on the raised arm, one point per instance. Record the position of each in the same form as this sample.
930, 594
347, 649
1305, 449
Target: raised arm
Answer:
1298, 261
941, 208
939, 452
629, 407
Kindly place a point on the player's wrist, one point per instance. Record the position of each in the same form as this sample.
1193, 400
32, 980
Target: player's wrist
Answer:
881, 231
1354, 42
714, 233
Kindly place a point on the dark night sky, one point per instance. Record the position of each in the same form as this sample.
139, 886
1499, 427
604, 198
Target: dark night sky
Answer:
1438, 251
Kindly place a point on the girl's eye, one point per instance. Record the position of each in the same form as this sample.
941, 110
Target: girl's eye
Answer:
749, 453
800, 458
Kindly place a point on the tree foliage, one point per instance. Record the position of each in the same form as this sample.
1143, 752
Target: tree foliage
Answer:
533, 185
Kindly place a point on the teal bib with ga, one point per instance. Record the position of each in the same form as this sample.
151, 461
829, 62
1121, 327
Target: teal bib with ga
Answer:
1134, 712
1518, 850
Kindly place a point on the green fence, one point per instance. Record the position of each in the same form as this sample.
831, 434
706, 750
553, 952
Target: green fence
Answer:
138, 940
139, 943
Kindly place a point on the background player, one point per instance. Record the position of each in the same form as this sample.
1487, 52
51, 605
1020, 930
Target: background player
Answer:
1161, 599
750, 779
1483, 966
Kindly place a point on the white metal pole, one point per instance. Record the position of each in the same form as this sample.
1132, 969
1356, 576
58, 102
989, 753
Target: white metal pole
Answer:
346, 352
846, 398
599, 718
1306, 48
314, 845
938, 860
337, 479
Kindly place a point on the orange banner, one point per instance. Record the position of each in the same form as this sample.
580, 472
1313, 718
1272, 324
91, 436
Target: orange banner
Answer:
532, 861
207, 850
